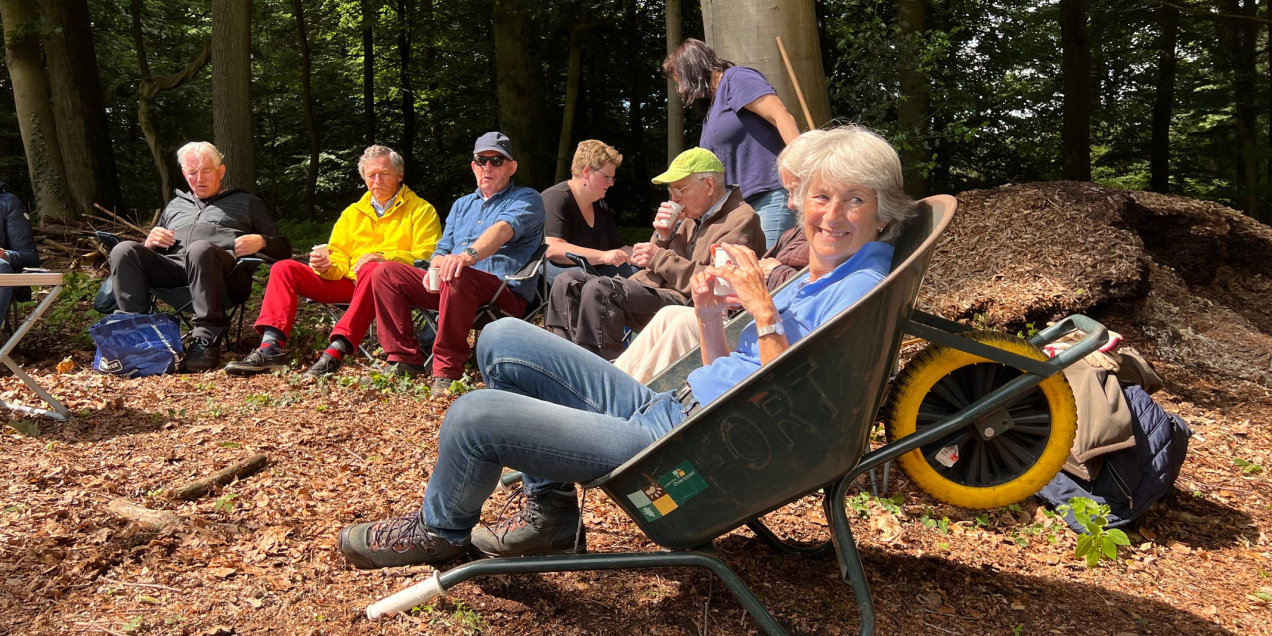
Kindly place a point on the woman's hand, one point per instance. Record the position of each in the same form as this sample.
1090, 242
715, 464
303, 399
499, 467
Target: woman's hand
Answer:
613, 257
748, 280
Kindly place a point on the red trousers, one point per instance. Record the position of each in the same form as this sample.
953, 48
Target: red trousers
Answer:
288, 280
397, 288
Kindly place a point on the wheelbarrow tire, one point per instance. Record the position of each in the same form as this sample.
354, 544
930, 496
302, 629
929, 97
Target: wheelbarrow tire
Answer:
998, 471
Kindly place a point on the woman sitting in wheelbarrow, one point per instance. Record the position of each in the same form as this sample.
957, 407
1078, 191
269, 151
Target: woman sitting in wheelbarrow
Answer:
562, 415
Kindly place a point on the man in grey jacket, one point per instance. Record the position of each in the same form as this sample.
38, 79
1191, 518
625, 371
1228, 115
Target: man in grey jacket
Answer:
197, 242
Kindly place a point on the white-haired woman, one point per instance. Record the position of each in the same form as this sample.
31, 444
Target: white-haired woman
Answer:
562, 415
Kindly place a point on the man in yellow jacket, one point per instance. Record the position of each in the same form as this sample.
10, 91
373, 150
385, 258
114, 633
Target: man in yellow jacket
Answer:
389, 223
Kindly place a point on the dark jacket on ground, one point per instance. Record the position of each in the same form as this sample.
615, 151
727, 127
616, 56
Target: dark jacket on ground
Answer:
15, 232
219, 220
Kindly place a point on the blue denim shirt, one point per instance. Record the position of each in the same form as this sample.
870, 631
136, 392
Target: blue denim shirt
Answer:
470, 216
803, 306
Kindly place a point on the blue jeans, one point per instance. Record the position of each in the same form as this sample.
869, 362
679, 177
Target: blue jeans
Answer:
775, 217
555, 411
6, 293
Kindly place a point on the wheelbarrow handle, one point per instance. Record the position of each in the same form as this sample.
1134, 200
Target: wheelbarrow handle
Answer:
1096, 337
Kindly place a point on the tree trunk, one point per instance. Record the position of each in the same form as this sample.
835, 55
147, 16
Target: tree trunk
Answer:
575, 69
745, 31
1075, 136
35, 113
913, 111
83, 130
369, 16
675, 108
406, 146
306, 96
1159, 146
146, 92
520, 87
430, 63
231, 90
636, 93
1242, 39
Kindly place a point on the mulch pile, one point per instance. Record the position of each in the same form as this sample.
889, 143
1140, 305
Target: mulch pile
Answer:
1185, 281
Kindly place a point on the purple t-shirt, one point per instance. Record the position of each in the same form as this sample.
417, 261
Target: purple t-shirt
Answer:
745, 143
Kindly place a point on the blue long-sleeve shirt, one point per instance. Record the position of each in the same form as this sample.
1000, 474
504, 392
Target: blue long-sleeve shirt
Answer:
15, 232
470, 216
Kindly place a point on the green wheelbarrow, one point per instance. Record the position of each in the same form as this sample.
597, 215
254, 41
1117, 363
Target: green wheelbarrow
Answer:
990, 419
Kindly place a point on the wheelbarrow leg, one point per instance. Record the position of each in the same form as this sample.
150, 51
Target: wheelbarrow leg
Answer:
850, 567
778, 544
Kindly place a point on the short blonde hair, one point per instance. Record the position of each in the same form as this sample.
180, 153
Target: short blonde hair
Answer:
200, 149
792, 157
377, 151
856, 155
594, 154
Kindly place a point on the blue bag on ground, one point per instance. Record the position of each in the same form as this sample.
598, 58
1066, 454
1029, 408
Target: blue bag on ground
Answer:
136, 345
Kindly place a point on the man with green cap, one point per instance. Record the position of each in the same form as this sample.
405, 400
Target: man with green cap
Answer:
592, 311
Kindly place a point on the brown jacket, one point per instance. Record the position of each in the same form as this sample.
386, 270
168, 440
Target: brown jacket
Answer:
1104, 415
689, 249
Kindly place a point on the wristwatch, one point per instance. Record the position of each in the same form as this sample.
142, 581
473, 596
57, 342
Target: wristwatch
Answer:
776, 328
471, 252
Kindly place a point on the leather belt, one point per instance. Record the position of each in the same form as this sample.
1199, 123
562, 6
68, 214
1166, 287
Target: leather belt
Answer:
688, 402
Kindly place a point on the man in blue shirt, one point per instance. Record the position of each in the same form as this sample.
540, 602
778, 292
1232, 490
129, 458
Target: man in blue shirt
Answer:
489, 234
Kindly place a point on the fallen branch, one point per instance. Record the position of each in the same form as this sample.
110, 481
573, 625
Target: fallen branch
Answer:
152, 519
224, 476
58, 246
148, 586
122, 221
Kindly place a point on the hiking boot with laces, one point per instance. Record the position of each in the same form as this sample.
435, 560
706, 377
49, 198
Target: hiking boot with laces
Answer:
546, 524
396, 542
261, 360
201, 355
405, 369
326, 365
439, 386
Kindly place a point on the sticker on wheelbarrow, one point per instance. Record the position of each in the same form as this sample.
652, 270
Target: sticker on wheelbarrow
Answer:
674, 488
948, 456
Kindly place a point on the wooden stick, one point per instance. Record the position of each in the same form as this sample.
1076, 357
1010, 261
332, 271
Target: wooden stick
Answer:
224, 476
799, 94
152, 519
149, 586
58, 246
120, 220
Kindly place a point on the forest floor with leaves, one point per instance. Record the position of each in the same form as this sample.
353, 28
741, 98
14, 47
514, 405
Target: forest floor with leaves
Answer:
258, 556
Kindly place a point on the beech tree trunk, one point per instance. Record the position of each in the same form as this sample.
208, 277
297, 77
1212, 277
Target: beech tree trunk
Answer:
1159, 146
149, 88
745, 33
406, 145
368, 68
675, 108
913, 111
82, 128
35, 113
1242, 39
573, 73
232, 90
306, 96
1075, 136
520, 87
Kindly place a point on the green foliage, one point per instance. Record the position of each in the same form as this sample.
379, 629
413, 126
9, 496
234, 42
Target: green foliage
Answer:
225, 503
25, 427
69, 312
1098, 542
861, 503
132, 625
1248, 467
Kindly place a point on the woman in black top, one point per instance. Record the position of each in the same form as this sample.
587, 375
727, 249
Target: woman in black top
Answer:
578, 220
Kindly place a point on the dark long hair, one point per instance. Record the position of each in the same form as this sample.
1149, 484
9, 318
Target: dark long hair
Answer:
691, 65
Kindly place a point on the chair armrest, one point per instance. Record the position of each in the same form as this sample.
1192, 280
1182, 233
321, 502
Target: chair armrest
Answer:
531, 268
108, 240
582, 262
422, 263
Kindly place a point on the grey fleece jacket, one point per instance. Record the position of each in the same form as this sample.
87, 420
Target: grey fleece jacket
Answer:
220, 219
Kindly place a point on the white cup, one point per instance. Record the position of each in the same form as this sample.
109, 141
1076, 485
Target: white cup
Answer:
322, 249
721, 258
434, 279
670, 221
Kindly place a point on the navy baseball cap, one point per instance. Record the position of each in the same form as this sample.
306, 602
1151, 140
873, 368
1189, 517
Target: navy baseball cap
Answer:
495, 141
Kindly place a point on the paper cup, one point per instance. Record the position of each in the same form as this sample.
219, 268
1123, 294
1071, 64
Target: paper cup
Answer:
721, 258
670, 221
434, 279
321, 249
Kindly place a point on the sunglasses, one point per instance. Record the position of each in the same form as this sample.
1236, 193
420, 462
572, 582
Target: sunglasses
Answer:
494, 161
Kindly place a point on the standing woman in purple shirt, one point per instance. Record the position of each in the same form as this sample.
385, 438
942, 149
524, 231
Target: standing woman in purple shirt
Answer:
746, 126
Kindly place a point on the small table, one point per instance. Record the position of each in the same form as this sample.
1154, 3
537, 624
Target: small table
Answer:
46, 279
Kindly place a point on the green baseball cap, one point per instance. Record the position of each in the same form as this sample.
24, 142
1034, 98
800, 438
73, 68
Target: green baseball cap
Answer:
691, 161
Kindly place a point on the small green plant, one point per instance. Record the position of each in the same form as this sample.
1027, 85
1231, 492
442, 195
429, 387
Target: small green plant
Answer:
14, 508
215, 408
1029, 332
230, 445
26, 427
225, 503
1098, 542
258, 400
461, 386
942, 525
861, 503
1018, 630
132, 625
1248, 467
174, 414
982, 520
321, 408
204, 386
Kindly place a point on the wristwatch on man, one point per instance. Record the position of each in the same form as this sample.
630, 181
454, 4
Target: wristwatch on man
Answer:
776, 328
471, 252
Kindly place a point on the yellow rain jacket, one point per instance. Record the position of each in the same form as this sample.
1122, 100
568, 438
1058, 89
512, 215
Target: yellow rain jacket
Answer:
409, 230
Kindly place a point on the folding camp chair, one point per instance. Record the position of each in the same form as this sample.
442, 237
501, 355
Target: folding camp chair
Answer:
798, 425
490, 311
182, 303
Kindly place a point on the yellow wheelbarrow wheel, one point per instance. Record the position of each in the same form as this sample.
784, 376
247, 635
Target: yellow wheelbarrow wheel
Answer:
1003, 457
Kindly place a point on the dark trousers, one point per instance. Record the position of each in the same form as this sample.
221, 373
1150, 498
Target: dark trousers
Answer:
209, 271
592, 311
